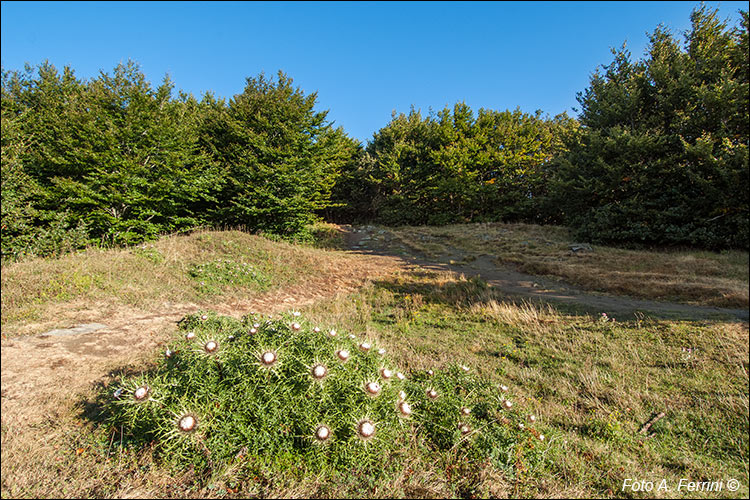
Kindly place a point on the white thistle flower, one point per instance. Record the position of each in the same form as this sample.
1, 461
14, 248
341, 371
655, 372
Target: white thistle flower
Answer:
504, 388
465, 368
342, 354
190, 335
386, 373
521, 426
532, 418
465, 411
507, 404
204, 317
365, 346
268, 358
404, 409
141, 393
319, 371
253, 331
541, 437
432, 393
381, 351
366, 429
316, 329
331, 332
256, 325
372, 388
322, 433
430, 373
400, 376
296, 326
187, 423
211, 346
464, 428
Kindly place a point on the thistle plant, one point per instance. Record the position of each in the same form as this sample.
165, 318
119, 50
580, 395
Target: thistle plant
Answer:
261, 386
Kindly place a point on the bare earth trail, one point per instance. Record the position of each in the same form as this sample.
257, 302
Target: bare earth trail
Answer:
514, 283
41, 372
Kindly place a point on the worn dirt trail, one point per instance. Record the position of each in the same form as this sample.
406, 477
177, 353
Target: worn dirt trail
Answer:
517, 284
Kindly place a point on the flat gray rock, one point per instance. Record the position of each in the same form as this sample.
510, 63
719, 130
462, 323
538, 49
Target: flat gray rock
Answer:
76, 330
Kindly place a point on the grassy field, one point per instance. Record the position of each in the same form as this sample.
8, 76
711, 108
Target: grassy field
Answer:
592, 381
203, 268
689, 276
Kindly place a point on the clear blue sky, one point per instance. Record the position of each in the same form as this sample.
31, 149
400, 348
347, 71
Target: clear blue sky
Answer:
364, 59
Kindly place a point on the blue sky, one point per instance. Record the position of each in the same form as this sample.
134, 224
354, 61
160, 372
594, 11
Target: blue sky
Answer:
365, 59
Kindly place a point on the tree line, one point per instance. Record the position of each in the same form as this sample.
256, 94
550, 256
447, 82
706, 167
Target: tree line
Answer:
658, 155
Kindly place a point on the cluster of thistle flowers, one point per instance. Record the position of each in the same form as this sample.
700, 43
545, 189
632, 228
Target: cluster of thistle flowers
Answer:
269, 383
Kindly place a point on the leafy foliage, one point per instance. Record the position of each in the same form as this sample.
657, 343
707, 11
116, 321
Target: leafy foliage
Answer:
455, 167
114, 161
662, 155
251, 388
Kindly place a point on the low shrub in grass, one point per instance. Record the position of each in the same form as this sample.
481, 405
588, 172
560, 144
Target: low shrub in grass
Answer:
229, 390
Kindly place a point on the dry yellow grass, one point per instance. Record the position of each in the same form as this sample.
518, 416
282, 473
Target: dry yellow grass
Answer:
688, 276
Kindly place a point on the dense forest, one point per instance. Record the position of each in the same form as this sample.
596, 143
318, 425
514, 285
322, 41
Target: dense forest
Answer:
658, 156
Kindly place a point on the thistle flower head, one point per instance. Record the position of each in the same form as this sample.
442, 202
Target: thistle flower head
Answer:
365, 429
541, 437
464, 428
507, 404
319, 372
372, 388
253, 331
187, 423
204, 317
331, 332
365, 346
400, 376
322, 433
211, 346
141, 393
465, 368
268, 358
342, 354
532, 418
256, 325
521, 426
190, 335
431, 393
316, 329
381, 351
404, 409
296, 326
465, 411
386, 373
430, 373
504, 388
168, 353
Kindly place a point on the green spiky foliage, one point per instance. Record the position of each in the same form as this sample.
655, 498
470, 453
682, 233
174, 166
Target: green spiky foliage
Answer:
249, 386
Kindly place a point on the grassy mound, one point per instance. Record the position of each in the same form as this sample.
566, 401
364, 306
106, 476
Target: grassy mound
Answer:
233, 392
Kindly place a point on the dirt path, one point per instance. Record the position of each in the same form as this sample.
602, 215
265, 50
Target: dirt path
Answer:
377, 241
